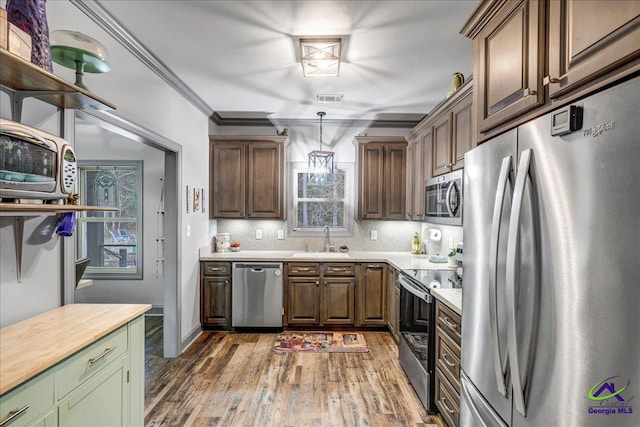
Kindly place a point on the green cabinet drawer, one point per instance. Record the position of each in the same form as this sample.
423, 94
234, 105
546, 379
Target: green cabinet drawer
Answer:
89, 361
26, 403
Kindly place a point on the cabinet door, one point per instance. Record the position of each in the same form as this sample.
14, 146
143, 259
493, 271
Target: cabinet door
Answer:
462, 132
49, 420
265, 184
228, 180
395, 181
216, 301
509, 57
410, 181
338, 301
588, 39
392, 315
417, 162
371, 201
303, 305
372, 295
441, 157
101, 401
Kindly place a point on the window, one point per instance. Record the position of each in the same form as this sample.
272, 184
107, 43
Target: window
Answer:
111, 240
317, 204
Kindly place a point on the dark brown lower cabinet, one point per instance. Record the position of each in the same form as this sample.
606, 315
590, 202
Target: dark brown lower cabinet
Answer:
338, 301
303, 306
448, 356
215, 295
371, 294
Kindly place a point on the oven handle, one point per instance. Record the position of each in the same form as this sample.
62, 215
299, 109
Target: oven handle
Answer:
426, 297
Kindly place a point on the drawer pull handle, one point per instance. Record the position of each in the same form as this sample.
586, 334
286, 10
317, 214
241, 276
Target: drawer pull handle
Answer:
303, 269
11, 415
444, 403
447, 361
374, 267
217, 269
449, 324
102, 356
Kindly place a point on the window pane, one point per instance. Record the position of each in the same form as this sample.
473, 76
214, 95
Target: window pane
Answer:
319, 214
333, 188
111, 239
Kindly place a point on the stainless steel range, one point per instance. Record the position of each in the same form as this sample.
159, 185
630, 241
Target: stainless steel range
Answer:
417, 327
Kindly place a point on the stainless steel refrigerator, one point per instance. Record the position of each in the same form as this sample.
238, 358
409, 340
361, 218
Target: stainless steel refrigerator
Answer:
551, 300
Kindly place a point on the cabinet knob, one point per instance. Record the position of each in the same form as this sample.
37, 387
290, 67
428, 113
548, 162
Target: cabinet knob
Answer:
449, 165
528, 92
317, 282
548, 79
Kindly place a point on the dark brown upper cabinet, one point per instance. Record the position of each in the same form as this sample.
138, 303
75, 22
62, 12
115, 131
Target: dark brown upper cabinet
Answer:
247, 177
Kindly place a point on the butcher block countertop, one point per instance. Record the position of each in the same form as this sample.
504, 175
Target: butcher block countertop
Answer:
31, 346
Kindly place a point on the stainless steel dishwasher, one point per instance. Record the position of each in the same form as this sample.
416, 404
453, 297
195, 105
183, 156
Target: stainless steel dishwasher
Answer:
256, 295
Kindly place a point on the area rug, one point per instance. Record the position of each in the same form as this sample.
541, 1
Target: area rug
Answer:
320, 342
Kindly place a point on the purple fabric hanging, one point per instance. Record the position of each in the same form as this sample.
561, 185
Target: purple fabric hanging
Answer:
31, 17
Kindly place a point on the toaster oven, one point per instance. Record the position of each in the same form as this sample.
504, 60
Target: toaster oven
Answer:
34, 164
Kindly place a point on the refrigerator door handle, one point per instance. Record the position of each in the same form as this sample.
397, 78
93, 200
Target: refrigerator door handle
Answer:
503, 179
513, 248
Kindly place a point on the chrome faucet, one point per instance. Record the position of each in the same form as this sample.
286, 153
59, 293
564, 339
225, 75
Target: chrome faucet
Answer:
327, 239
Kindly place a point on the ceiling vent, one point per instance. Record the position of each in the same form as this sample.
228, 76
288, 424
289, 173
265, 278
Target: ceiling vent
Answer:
329, 97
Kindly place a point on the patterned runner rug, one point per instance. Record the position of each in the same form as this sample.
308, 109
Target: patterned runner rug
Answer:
320, 342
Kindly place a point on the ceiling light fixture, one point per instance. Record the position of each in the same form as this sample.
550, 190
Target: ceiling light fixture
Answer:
320, 57
321, 163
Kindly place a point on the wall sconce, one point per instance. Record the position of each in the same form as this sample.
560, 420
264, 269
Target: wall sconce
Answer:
320, 57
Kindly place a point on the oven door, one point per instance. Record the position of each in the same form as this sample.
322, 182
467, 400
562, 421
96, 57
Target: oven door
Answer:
415, 348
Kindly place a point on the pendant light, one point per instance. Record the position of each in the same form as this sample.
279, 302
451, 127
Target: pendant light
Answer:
321, 163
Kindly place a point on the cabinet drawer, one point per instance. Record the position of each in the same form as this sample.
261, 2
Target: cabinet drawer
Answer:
303, 269
447, 400
448, 358
450, 322
26, 403
339, 269
216, 268
89, 361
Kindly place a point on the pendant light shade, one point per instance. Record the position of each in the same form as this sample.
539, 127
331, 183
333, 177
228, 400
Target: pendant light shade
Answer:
321, 163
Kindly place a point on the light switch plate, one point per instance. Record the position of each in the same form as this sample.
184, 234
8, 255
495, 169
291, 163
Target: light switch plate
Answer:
280, 234
258, 234
374, 234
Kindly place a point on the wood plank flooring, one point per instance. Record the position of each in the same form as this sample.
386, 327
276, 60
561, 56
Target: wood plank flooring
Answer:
235, 379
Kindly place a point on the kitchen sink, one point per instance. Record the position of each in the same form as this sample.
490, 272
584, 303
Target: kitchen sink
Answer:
329, 255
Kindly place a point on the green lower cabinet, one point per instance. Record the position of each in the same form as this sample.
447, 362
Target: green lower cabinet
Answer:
101, 401
49, 420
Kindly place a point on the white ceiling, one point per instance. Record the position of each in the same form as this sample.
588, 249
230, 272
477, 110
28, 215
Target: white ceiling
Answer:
241, 57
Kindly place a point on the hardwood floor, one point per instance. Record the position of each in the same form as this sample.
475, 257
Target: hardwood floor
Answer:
234, 379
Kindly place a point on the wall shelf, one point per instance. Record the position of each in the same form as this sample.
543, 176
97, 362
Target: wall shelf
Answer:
19, 210
29, 80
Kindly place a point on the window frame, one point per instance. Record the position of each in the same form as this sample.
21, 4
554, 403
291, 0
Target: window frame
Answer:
294, 230
112, 273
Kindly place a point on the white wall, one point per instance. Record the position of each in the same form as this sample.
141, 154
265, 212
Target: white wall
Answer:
95, 143
148, 101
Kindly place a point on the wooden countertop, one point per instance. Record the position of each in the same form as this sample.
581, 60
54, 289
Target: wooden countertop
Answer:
30, 347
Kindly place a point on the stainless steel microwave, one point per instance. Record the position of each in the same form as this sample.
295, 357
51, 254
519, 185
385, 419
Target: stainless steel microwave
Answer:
34, 164
443, 199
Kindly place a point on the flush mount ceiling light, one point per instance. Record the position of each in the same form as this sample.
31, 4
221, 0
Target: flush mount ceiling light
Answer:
320, 57
80, 52
320, 162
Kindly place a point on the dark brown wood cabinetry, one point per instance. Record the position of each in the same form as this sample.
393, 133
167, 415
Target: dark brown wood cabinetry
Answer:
393, 298
215, 295
448, 338
531, 56
320, 294
247, 177
417, 170
371, 294
382, 163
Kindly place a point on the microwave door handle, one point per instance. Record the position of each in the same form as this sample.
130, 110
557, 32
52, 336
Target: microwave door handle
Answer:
447, 199
503, 180
513, 248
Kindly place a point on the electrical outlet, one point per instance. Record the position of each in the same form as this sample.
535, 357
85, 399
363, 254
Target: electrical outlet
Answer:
188, 231
374, 234
280, 234
258, 234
